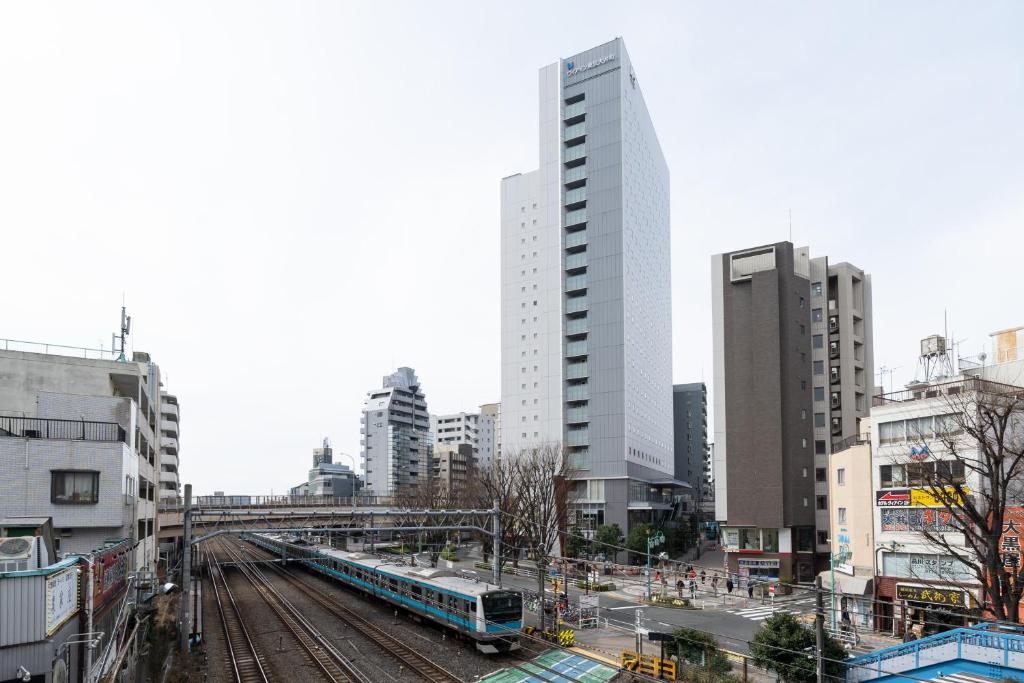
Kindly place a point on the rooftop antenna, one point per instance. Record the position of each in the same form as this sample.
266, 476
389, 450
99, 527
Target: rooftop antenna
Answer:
117, 341
882, 372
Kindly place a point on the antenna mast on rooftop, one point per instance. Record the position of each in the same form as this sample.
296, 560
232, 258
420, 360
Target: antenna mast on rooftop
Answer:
117, 341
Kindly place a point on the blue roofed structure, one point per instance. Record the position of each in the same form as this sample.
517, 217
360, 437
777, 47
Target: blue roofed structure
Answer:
986, 652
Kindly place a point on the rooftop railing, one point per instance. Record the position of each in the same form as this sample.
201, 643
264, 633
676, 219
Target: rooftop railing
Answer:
960, 386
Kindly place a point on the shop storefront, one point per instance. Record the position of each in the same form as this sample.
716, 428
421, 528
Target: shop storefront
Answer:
910, 605
854, 599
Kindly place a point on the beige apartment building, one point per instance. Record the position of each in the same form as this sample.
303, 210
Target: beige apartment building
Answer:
851, 507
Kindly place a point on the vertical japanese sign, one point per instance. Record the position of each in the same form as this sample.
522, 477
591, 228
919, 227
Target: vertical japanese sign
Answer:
1009, 541
61, 598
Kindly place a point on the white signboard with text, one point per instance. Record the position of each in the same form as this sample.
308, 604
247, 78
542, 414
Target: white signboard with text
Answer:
61, 598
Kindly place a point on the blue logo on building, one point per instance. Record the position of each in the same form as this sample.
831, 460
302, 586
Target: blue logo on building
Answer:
568, 66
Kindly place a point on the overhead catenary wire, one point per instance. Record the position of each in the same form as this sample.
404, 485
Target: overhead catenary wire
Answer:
845, 663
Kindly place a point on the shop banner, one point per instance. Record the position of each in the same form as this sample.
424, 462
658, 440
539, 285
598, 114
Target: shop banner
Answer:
954, 597
61, 598
918, 497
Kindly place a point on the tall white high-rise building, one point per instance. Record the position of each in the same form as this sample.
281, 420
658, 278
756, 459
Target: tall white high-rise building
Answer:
586, 295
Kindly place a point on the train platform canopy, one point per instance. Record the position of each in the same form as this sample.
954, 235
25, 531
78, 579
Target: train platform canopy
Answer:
554, 666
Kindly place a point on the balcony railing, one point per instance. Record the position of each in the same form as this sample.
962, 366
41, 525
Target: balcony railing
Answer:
576, 348
574, 175
576, 370
574, 261
575, 153
577, 392
578, 437
575, 239
575, 217
576, 304
575, 283
576, 415
576, 196
61, 430
574, 110
576, 326
577, 130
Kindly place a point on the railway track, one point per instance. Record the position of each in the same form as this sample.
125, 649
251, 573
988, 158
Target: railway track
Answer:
242, 653
335, 666
418, 663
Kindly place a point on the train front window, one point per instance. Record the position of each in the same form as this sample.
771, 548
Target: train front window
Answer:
503, 607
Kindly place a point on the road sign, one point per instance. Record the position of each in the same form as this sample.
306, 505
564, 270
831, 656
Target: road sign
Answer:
659, 636
771, 589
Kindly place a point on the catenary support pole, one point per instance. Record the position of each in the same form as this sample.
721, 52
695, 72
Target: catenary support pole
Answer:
819, 630
540, 591
186, 571
496, 560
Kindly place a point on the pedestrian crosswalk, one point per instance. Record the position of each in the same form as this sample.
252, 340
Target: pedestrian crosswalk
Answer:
762, 612
757, 613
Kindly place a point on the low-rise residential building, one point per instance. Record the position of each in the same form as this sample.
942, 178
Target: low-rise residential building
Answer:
475, 429
454, 466
917, 581
852, 522
80, 444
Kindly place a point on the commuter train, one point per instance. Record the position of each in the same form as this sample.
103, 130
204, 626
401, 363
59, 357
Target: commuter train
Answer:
492, 617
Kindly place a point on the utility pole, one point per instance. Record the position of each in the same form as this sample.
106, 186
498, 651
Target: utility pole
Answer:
186, 571
496, 566
819, 629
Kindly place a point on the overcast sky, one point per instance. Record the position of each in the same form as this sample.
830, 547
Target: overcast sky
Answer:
295, 198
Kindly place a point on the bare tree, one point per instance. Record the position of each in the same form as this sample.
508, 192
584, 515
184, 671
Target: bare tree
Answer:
431, 494
974, 469
529, 486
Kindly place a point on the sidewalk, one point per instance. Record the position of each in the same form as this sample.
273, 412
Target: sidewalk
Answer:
609, 642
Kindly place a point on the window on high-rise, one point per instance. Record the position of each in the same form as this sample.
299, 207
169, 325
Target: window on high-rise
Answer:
815, 289
821, 502
819, 366
819, 393
816, 315
818, 341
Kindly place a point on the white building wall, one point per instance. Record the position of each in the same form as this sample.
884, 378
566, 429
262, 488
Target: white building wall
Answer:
531, 285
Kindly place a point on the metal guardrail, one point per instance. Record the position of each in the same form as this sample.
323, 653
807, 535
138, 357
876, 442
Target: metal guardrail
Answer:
61, 430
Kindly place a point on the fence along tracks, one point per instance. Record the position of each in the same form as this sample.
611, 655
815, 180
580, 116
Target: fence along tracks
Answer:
335, 666
416, 662
244, 658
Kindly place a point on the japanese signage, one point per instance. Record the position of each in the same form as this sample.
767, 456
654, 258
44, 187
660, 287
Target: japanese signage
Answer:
918, 519
954, 597
918, 498
1009, 541
109, 574
895, 498
61, 598
758, 564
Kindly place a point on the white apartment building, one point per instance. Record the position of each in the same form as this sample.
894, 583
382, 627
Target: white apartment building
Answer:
170, 477
395, 435
474, 429
585, 292
491, 430
79, 443
917, 580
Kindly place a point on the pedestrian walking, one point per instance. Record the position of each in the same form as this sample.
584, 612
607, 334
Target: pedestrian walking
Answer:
703, 577
729, 585
693, 590
714, 585
679, 587
750, 589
